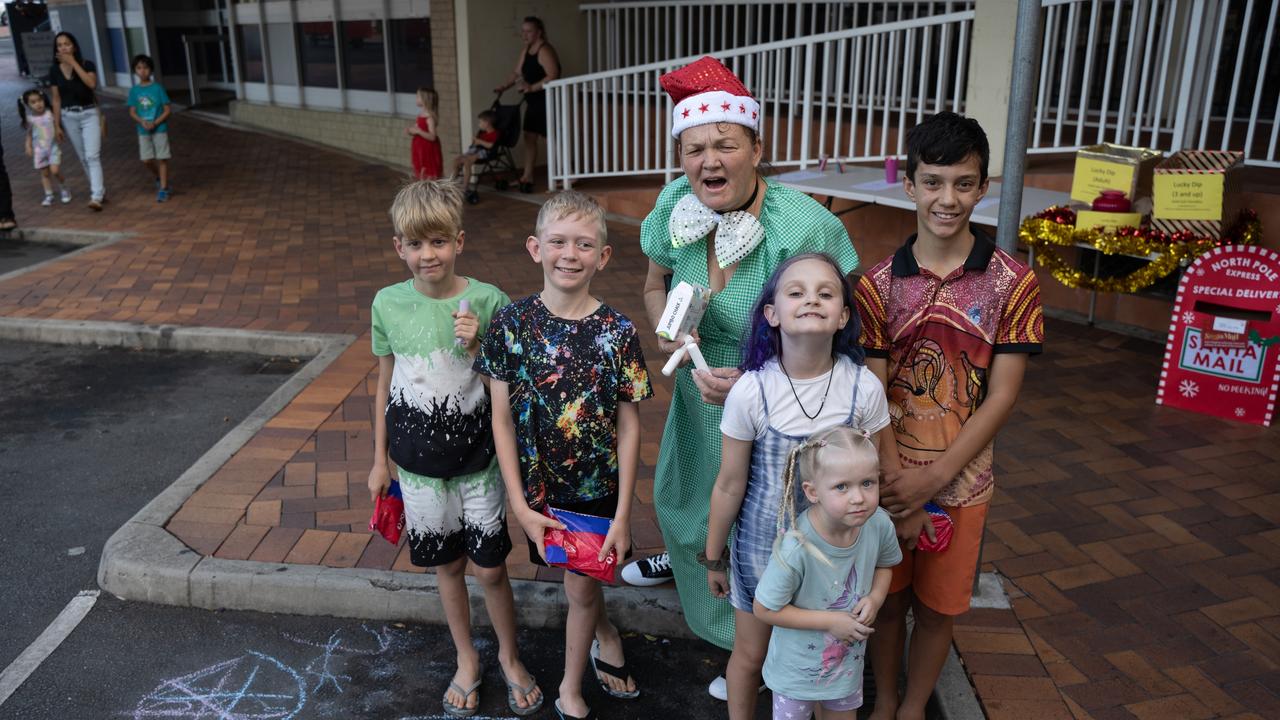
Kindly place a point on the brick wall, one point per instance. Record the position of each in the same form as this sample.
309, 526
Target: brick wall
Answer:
377, 136
444, 61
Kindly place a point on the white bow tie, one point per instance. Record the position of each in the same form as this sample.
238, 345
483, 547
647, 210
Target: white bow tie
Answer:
738, 232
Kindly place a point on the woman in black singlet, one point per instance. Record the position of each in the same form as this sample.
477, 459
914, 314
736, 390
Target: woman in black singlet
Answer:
536, 66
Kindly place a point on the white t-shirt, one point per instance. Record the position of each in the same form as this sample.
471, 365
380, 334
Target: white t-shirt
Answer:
744, 415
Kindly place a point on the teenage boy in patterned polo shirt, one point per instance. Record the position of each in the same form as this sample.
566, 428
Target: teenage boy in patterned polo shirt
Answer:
948, 322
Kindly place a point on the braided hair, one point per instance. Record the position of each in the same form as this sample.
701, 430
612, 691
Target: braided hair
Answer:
806, 462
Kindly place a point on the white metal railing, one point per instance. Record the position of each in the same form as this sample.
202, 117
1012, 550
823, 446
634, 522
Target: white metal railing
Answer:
846, 94
625, 34
1166, 74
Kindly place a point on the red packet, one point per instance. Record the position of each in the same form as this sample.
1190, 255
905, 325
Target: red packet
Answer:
388, 514
577, 547
942, 530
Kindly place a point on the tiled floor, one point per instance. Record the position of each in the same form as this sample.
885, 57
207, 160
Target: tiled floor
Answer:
1141, 544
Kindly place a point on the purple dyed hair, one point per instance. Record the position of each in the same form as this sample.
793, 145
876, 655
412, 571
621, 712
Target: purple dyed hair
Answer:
764, 342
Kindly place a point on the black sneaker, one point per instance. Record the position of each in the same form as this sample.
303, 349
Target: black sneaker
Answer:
644, 572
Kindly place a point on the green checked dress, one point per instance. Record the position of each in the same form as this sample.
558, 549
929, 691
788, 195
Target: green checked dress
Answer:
690, 455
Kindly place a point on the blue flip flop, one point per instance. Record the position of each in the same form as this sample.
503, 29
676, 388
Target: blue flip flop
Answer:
511, 696
461, 711
591, 714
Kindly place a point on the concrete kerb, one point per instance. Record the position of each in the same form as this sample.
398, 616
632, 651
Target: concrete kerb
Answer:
142, 561
89, 240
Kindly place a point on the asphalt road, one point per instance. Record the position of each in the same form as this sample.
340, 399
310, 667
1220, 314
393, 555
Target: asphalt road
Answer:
87, 437
16, 254
133, 660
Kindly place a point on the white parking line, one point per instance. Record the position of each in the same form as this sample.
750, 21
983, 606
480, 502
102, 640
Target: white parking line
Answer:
26, 663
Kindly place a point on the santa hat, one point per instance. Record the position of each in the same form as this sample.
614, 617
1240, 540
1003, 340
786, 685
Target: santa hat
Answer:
706, 92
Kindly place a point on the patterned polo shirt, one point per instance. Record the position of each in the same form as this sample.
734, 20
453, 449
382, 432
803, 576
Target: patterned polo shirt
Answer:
940, 336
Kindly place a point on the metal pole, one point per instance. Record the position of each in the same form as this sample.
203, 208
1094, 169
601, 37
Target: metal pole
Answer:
1026, 49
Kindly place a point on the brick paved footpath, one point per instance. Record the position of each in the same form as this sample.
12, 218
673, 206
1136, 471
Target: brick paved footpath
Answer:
1140, 544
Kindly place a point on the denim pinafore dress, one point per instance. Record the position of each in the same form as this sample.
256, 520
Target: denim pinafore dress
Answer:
757, 528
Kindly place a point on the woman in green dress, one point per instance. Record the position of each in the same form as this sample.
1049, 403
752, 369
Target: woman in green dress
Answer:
724, 226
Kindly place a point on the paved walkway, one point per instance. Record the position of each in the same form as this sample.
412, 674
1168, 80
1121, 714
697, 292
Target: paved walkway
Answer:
1140, 543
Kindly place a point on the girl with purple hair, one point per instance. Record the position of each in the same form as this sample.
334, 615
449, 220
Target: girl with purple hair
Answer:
802, 372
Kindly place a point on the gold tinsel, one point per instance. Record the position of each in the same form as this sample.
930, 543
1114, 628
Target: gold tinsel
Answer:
1046, 234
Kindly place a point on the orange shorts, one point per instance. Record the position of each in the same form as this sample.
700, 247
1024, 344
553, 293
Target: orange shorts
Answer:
943, 581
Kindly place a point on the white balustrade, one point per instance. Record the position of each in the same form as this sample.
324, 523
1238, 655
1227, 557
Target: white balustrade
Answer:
845, 80
845, 94
1166, 74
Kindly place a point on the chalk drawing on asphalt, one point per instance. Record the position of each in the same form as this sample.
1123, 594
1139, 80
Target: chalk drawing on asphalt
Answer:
256, 686
253, 686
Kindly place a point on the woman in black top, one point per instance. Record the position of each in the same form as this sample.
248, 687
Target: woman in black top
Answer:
7, 221
536, 66
72, 80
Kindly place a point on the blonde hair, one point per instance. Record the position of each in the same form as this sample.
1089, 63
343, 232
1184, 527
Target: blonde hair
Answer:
430, 100
427, 208
812, 459
571, 203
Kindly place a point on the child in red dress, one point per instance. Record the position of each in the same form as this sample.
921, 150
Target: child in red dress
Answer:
428, 163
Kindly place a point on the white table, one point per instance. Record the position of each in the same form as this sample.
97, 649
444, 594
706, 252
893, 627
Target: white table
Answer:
867, 185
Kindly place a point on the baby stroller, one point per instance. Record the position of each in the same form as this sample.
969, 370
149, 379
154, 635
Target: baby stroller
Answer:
499, 163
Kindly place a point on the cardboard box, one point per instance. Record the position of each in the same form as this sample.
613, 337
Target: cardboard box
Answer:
1197, 191
1113, 167
686, 304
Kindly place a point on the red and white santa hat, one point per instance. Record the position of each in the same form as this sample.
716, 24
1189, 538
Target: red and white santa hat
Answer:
706, 92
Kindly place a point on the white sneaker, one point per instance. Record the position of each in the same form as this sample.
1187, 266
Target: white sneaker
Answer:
66, 196
653, 570
48, 200
719, 689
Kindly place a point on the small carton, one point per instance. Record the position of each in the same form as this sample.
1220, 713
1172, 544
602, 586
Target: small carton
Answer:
1113, 167
1197, 191
686, 304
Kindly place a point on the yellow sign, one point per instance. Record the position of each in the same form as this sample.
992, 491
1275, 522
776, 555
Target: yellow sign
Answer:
1188, 197
1093, 176
1107, 220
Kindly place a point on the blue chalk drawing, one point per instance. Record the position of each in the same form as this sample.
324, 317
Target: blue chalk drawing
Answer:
253, 686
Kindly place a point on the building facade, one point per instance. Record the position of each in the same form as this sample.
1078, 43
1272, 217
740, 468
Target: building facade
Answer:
337, 72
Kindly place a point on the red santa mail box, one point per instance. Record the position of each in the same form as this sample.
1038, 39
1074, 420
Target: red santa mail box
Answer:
1223, 353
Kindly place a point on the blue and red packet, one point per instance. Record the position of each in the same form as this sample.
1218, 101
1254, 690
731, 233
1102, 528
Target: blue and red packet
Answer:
577, 547
388, 514
942, 530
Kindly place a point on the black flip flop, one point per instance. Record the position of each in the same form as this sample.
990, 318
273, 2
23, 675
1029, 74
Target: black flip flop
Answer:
602, 667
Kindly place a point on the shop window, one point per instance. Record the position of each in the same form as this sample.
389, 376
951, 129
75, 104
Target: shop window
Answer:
318, 54
281, 40
251, 65
411, 54
119, 51
169, 53
363, 54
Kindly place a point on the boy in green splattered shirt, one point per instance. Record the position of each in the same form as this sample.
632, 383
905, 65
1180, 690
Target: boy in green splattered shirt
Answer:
436, 432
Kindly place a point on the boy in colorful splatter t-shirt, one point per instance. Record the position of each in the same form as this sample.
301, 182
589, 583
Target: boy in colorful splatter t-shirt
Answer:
435, 428
566, 373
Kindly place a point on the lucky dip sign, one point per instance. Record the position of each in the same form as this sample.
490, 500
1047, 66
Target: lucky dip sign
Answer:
1223, 353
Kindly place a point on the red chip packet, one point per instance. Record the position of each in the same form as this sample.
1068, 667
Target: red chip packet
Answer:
388, 514
942, 530
577, 547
